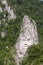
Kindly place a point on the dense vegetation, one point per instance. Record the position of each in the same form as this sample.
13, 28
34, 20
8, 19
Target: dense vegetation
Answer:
32, 8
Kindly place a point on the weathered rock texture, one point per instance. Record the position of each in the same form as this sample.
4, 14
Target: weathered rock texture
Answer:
9, 10
28, 36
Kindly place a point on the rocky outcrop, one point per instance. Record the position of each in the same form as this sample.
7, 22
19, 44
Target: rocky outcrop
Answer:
9, 10
28, 36
11, 16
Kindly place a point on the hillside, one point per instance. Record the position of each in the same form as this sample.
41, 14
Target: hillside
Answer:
11, 18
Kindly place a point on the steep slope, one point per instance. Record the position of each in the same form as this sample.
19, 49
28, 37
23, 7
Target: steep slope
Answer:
12, 17
28, 36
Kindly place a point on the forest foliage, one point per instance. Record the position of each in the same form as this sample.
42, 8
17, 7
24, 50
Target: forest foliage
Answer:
32, 8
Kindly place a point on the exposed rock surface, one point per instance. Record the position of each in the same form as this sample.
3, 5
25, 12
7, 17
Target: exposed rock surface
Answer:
10, 13
3, 34
28, 36
1, 9
9, 10
28, 33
